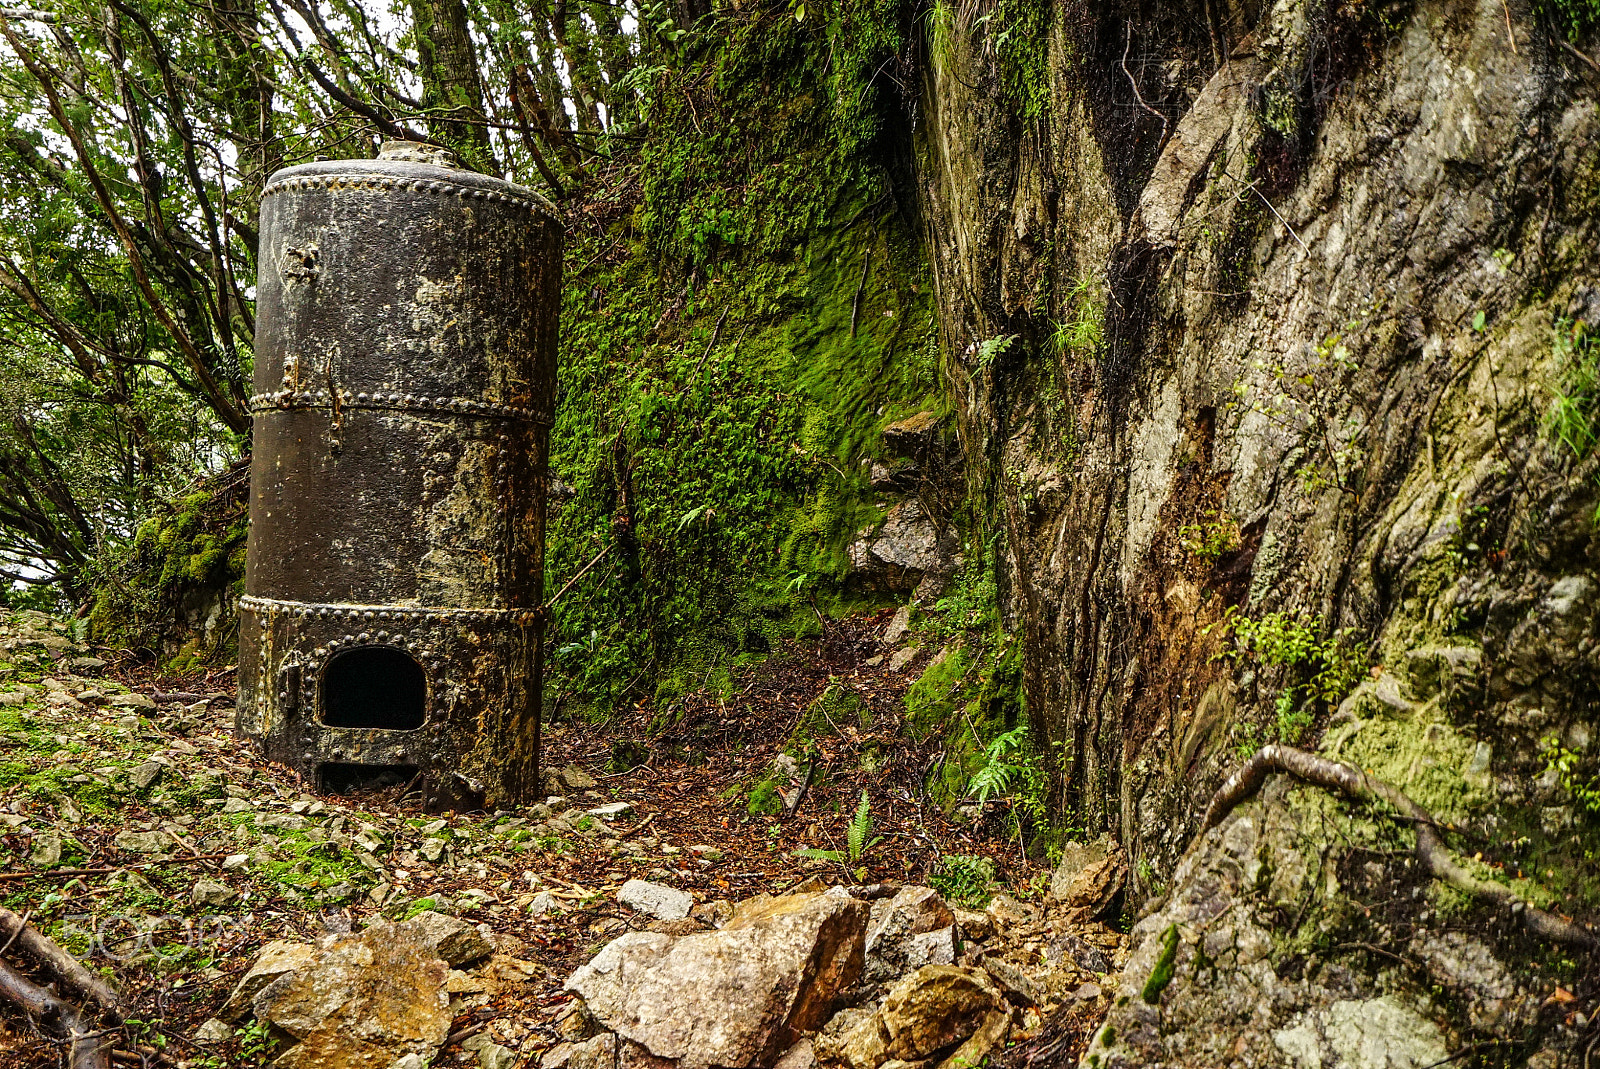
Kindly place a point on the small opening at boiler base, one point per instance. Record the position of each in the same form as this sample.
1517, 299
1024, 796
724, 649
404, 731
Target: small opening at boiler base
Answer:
336, 778
374, 687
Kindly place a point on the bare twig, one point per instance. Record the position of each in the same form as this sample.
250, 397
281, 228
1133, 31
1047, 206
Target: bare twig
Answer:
1127, 44
1570, 48
1434, 856
575, 578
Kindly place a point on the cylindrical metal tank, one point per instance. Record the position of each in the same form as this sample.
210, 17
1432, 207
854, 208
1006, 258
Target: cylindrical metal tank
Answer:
404, 381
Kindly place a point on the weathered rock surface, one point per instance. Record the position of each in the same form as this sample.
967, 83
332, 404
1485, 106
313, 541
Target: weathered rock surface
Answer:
940, 1011
360, 1001
1088, 876
736, 997
907, 546
910, 930
452, 938
658, 900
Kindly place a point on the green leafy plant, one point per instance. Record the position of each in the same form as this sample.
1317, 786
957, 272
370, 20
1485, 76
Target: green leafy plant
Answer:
255, 1042
1573, 418
992, 349
964, 879
1215, 535
858, 838
1320, 669
1012, 770
1575, 772
1082, 332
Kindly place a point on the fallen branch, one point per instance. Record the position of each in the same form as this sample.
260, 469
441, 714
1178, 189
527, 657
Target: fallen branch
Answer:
105, 869
1436, 859
90, 1048
47, 953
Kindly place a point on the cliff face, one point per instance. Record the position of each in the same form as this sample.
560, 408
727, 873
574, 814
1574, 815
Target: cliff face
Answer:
1265, 329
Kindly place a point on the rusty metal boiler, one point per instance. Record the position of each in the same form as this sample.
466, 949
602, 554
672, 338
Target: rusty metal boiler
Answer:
404, 384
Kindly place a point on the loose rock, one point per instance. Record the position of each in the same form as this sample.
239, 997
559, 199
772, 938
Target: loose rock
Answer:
736, 997
452, 938
658, 900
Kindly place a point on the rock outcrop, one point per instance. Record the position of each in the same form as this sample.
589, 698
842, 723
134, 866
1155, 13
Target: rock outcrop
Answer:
736, 997
1247, 338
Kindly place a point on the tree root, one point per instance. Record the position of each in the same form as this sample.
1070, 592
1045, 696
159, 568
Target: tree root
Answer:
1356, 785
90, 1047
48, 954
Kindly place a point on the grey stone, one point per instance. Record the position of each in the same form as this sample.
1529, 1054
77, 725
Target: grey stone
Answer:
543, 902
452, 938
144, 775
45, 852
610, 811
903, 657
912, 929
207, 892
494, 1056
143, 842
1088, 876
658, 900
898, 628
213, 1031
131, 701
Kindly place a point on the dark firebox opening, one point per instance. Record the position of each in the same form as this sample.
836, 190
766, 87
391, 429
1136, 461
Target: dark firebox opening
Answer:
374, 687
336, 778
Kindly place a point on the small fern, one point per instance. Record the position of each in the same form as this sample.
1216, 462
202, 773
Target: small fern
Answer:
860, 828
858, 839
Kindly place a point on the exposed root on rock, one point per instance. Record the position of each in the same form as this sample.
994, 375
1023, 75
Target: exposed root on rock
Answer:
1357, 786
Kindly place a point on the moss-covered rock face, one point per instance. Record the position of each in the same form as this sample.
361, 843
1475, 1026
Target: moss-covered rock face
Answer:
174, 594
742, 319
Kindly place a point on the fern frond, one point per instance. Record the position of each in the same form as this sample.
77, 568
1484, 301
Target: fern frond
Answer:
860, 828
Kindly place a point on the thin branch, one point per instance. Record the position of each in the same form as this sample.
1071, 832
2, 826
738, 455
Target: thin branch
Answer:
1126, 45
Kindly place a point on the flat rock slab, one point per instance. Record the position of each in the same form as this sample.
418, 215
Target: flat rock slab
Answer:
657, 899
737, 997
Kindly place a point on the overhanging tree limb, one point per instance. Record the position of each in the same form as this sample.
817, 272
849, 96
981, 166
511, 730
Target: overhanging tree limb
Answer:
229, 412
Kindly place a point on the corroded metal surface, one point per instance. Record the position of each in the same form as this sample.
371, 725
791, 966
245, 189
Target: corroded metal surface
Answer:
404, 382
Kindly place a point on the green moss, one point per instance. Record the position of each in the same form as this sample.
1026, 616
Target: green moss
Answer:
765, 800
191, 553
733, 340
1424, 756
937, 694
1166, 965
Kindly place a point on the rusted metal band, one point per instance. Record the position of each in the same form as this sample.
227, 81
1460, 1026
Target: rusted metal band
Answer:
387, 183
389, 614
280, 400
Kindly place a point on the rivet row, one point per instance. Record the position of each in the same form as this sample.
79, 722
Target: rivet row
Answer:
414, 185
286, 399
386, 614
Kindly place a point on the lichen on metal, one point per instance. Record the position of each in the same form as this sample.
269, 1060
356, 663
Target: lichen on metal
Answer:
404, 385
